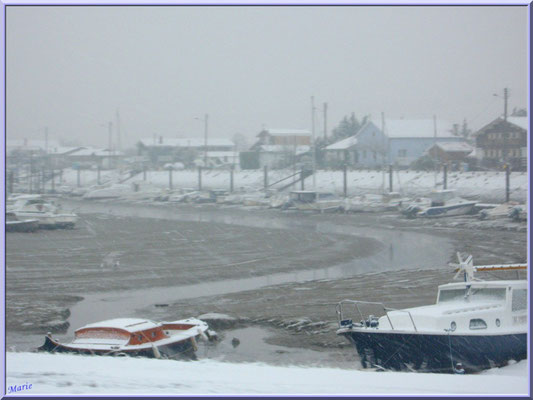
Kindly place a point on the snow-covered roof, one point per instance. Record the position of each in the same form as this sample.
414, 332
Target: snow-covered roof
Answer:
280, 148
287, 132
128, 324
417, 128
462, 147
343, 144
186, 142
522, 122
63, 149
85, 151
222, 154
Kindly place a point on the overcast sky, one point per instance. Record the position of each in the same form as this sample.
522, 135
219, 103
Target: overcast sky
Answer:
71, 68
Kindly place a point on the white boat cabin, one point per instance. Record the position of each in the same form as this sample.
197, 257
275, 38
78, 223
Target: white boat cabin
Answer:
467, 308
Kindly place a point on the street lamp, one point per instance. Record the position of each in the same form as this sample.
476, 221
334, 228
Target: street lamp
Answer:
205, 119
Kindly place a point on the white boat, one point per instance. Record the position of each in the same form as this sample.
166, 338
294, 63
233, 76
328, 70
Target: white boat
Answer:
373, 202
500, 211
518, 214
277, 200
48, 214
308, 200
474, 325
135, 337
13, 224
445, 203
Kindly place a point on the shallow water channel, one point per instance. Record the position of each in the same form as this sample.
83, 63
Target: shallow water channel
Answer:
400, 250
392, 250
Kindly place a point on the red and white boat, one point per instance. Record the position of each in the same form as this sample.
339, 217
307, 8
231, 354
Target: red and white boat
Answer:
135, 337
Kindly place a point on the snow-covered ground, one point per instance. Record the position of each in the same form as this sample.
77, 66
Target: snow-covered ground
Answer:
486, 185
73, 374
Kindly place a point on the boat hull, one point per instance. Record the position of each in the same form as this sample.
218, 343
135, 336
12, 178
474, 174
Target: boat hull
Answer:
22, 226
448, 211
183, 349
431, 352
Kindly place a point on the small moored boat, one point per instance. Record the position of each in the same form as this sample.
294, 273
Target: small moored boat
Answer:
474, 325
13, 224
135, 337
47, 214
308, 200
444, 203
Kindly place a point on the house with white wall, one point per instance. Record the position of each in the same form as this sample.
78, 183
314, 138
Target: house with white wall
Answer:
396, 141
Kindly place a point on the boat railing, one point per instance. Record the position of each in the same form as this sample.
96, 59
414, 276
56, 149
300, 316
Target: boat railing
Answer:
346, 322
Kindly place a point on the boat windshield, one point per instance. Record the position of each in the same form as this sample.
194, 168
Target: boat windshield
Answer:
475, 295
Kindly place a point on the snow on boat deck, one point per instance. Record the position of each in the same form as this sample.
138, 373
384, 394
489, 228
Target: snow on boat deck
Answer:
128, 324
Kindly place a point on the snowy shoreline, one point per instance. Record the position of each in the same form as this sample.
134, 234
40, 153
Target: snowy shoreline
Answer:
487, 186
72, 374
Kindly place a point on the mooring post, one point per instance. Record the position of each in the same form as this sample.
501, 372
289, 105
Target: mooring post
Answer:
265, 176
199, 178
390, 178
78, 176
98, 174
53, 181
144, 172
170, 178
445, 177
231, 171
507, 182
345, 179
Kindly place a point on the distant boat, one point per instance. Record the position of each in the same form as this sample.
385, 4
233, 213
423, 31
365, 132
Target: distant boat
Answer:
373, 202
309, 200
13, 224
48, 215
444, 203
135, 337
474, 325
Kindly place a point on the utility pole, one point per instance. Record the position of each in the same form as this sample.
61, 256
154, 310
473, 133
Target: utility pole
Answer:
313, 139
505, 98
110, 135
205, 139
46, 140
325, 120
383, 152
119, 144
434, 143
45, 167
505, 133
